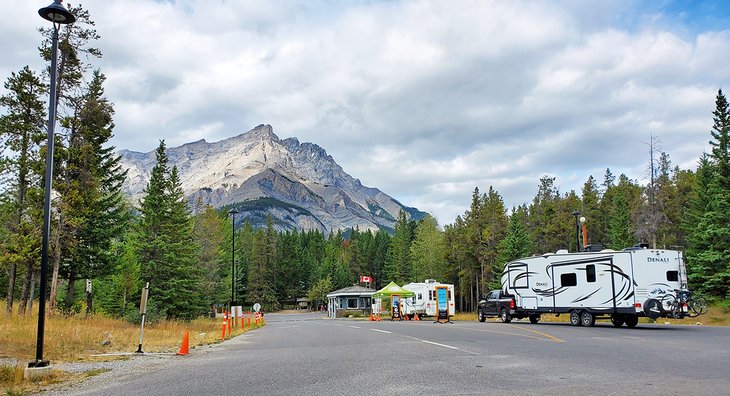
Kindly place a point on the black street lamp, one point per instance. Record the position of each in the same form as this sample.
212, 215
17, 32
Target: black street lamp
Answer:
233, 212
576, 214
58, 15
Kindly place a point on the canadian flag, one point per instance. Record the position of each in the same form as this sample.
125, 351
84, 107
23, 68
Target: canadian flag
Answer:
368, 279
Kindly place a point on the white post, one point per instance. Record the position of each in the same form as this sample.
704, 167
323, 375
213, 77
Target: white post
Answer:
143, 311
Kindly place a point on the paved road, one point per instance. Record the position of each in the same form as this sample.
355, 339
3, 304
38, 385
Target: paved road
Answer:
304, 354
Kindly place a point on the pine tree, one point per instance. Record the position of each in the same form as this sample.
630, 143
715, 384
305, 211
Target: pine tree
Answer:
516, 244
208, 233
711, 251
166, 250
21, 131
398, 266
428, 251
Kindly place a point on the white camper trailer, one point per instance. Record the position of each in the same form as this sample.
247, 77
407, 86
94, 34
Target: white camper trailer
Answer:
620, 285
424, 302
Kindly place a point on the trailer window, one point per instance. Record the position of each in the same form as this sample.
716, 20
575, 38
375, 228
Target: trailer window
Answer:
590, 273
568, 279
673, 276
420, 296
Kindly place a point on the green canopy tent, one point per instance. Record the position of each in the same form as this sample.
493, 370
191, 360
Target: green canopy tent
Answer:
387, 293
393, 289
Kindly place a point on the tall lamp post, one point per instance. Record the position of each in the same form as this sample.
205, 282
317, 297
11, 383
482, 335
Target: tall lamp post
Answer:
58, 15
233, 212
576, 214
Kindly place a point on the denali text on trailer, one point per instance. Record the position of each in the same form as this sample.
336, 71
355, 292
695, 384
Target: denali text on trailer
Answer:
620, 285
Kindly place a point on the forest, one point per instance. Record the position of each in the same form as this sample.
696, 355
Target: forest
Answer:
104, 249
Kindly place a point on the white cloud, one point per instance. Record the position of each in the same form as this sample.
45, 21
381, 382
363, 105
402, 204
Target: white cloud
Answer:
423, 99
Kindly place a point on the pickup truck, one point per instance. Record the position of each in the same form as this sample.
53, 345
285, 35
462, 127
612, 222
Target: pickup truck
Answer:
503, 305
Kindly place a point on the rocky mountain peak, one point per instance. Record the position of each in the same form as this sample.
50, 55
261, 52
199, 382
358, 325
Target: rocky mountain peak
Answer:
297, 183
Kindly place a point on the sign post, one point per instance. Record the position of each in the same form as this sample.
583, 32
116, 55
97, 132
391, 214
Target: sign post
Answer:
442, 305
395, 312
143, 311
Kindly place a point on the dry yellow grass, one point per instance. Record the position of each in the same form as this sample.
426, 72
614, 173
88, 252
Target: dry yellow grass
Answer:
77, 337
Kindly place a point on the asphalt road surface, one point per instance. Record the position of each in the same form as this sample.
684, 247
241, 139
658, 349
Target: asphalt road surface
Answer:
304, 354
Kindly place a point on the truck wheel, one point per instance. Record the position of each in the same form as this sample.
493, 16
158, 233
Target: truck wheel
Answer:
481, 316
504, 315
587, 319
631, 321
534, 319
617, 320
575, 318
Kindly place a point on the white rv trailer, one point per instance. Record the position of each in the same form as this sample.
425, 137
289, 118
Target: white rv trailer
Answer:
424, 302
621, 285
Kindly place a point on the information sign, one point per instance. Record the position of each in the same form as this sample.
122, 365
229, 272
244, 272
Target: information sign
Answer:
395, 313
257, 307
442, 304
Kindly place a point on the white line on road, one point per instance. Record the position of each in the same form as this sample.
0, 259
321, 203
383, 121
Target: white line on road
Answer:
354, 327
382, 331
442, 345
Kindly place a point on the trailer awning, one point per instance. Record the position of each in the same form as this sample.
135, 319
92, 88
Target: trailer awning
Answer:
393, 289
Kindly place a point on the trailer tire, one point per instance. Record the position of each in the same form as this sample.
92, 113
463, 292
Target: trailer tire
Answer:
587, 319
504, 315
631, 321
617, 320
481, 316
575, 318
534, 319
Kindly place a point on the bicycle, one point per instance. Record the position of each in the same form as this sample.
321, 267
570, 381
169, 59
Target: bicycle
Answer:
682, 303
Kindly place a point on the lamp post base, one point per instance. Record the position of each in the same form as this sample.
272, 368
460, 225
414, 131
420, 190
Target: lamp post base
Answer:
37, 370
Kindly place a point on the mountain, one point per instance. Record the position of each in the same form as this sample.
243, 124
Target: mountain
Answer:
299, 184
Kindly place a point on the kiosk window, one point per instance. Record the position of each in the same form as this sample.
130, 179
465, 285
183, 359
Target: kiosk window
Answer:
590, 273
352, 303
568, 279
673, 276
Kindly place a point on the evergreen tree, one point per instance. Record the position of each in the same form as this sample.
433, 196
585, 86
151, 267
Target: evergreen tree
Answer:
93, 196
591, 210
428, 251
166, 251
516, 244
711, 251
398, 266
21, 131
208, 233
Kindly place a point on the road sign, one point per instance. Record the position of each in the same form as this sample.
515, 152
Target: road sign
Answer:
256, 307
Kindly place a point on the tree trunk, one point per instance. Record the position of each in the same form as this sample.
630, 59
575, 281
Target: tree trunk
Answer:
70, 292
56, 266
26, 290
32, 291
12, 274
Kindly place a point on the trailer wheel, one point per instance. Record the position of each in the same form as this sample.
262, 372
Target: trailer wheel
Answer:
504, 315
575, 318
480, 316
587, 319
631, 321
617, 320
534, 319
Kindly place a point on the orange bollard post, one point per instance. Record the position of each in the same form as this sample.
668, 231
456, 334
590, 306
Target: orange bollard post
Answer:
249, 319
229, 325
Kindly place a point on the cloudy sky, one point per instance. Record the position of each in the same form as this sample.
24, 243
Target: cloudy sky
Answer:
423, 99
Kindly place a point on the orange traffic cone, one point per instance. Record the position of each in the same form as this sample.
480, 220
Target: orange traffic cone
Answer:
415, 317
405, 317
377, 318
185, 347
372, 319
